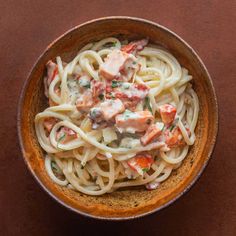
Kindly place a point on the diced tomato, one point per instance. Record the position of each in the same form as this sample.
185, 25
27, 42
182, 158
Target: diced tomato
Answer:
167, 113
134, 121
85, 101
65, 135
135, 46
141, 163
152, 132
174, 138
49, 123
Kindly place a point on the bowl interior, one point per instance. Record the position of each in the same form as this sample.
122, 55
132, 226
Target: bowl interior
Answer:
128, 203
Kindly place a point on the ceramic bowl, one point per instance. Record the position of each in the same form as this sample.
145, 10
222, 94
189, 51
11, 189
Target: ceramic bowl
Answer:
134, 202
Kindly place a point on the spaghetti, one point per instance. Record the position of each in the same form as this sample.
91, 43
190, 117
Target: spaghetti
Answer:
120, 114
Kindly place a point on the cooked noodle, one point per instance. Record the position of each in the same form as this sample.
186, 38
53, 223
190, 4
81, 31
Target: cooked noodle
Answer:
95, 161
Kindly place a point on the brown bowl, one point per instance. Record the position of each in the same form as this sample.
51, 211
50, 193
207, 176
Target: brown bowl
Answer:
129, 203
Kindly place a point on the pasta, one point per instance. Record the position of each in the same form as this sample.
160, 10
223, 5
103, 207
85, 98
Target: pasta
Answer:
120, 115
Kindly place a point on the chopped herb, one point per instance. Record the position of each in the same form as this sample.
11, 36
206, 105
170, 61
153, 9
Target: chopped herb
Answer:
112, 96
101, 96
55, 168
147, 104
177, 119
126, 85
163, 128
87, 85
174, 124
145, 169
95, 113
127, 114
110, 44
60, 139
172, 127
115, 83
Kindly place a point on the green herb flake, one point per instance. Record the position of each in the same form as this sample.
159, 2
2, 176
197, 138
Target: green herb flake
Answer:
127, 114
112, 96
163, 128
115, 83
147, 104
101, 96
60, 139
56, 168
145, 169
87, 85
172, 127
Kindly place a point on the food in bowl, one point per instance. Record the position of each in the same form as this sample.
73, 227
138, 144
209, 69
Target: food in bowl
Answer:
120, 114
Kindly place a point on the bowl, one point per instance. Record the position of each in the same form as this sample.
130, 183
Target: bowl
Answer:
128, 203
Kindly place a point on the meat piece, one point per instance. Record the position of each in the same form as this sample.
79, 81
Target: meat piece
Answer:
174, 138
49, 122
152, 132
132, 122
65, 135
167, 113
135, 46
85, 101
111, 108
114, 64
141, 163
52, 71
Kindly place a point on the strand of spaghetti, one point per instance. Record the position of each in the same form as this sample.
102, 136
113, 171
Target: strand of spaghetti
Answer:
52, 94
60, 66
175, 160
73, 180
167, 171
97, 46
62, 107
48, 167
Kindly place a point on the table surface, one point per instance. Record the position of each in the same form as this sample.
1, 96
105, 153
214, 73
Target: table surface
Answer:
27, 27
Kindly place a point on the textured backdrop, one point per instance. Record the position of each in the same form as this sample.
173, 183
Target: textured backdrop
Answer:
27, 27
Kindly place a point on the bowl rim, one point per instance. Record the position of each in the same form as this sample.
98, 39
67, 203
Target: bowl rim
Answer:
21, 103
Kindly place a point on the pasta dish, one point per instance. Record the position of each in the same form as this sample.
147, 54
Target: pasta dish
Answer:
120, 114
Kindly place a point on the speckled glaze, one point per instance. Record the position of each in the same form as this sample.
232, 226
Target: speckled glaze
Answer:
134, 202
